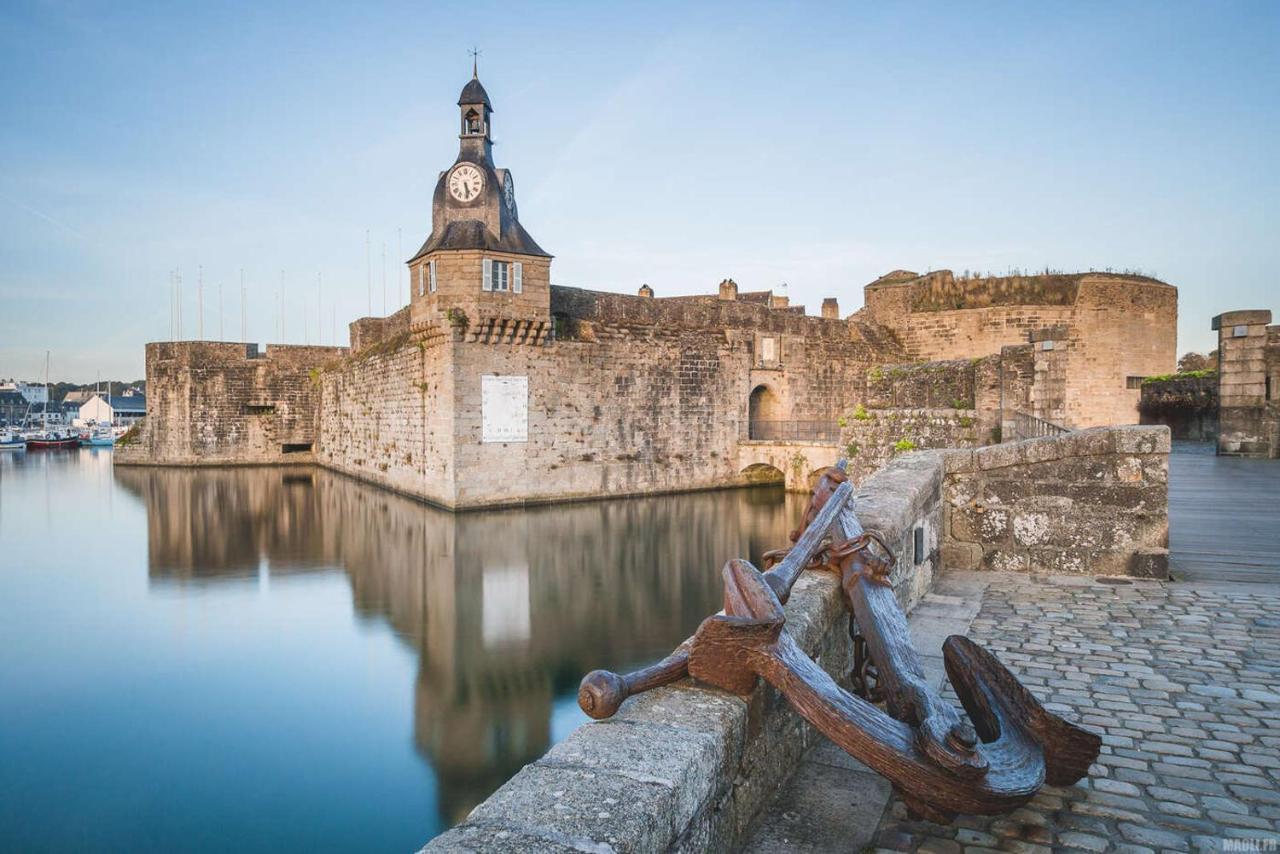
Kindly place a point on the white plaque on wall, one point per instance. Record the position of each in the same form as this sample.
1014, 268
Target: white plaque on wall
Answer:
504, 409
769, 349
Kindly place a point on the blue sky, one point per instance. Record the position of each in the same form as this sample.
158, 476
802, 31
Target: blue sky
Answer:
816, 145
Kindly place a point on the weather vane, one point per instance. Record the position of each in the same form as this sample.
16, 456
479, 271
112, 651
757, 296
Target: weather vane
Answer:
475, 57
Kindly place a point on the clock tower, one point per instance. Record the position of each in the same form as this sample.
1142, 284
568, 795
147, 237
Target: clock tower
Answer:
479, 270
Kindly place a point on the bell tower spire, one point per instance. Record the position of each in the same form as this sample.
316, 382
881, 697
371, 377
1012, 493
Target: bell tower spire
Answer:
475, 112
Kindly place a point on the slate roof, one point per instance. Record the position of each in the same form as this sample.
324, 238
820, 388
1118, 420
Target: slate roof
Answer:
472, 234
120, 403
133, 403
473, 93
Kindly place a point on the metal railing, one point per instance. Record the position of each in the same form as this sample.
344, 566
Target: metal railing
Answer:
794, 431
1028, 426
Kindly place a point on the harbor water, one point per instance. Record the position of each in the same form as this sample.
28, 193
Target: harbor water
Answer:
260, 659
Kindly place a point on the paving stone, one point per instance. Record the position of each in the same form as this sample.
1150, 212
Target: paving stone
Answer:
1178, 678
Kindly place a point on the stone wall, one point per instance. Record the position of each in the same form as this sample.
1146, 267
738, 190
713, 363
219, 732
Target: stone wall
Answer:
1187, 405
688, 768
631, 395
1092, 502
1092, 332
215, 404
369, 331
870, 438
387, 417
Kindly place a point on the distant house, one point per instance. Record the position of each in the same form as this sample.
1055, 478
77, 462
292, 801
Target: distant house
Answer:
57, 416
79, 397
13, 406
120, 410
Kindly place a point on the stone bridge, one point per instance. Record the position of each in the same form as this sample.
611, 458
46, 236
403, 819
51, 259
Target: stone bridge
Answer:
796, 463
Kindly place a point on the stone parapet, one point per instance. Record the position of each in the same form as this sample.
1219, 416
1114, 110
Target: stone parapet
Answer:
688, 768
1092, 502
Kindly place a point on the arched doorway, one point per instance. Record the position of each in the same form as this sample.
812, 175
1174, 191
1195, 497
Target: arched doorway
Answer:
764, 412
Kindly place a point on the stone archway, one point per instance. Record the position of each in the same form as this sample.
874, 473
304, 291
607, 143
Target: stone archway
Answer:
763, 473
764, 411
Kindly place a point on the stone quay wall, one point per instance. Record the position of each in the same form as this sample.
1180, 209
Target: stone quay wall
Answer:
687, 768
1092, 502
212, 403
1095, 334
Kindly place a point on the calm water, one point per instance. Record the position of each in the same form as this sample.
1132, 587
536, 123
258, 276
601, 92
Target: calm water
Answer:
267, 659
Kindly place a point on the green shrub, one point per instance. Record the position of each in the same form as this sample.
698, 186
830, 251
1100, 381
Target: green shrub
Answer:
903, 445
851, 450
860, 413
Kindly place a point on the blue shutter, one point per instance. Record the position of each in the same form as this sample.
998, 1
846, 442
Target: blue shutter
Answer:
517, 283
486, 283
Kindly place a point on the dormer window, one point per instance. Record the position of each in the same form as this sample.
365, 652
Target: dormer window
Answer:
471, 122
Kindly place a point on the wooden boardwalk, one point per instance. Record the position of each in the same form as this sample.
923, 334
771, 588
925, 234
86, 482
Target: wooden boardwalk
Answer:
1224, 516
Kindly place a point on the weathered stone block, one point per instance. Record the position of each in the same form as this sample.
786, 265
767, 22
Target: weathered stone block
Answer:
1149, 562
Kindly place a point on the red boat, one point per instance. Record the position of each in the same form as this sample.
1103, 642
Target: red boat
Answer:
50, 439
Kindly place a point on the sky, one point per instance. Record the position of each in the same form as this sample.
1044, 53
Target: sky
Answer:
812, 145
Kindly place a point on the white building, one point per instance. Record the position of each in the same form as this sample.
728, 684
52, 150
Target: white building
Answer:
34, 393
116, 410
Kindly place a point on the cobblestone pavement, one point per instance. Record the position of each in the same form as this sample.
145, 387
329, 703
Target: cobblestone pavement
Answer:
1182, 680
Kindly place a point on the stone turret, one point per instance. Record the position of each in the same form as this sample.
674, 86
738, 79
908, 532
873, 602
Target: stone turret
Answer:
728, 290
831, 308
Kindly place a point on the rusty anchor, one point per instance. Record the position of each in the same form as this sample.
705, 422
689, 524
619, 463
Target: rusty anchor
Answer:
939, 764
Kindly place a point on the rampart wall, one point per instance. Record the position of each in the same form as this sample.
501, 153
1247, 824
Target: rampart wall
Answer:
216, 403
630, 396
1096, 335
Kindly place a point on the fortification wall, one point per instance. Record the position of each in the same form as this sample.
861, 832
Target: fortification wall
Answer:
877, 436
1187, 405
386, 416
370, 331
1096, 335
214, 403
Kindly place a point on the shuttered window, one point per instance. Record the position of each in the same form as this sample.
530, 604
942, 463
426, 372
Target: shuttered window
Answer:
502, 276
431, 272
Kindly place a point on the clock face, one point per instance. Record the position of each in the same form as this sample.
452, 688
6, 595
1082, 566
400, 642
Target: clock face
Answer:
509, 193
466, 182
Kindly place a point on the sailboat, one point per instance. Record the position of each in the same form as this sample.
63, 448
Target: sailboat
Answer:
99, 434
48, 438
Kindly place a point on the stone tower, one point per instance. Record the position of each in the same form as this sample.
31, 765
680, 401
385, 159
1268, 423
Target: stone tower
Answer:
479, 269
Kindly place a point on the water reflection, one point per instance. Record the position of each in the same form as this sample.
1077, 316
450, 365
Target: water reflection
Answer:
505, 609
